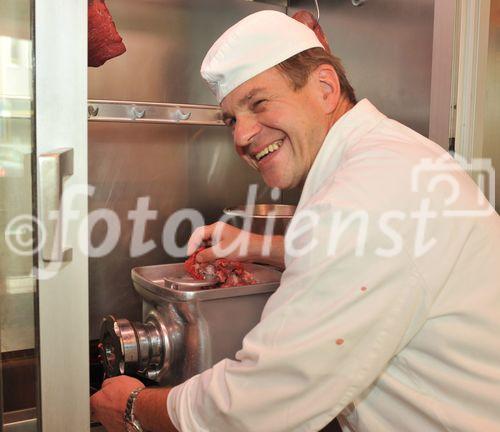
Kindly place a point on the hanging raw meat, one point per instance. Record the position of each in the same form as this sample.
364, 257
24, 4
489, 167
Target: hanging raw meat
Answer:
228, 273
310, 21
104, 40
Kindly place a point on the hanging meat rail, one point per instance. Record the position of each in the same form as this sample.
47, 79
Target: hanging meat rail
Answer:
17, 107
143, 112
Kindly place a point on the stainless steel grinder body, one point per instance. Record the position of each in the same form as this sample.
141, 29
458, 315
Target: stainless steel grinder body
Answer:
185, 329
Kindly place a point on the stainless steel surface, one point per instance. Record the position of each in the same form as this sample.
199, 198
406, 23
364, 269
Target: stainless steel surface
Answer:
125, 111
386, 48
54, 167
262, 211
144, 112
166, 41
188, 284
150, 281
270, 219
184, 332
135, 347
21, 426
176, 166
199, 329
282, 3
20, 421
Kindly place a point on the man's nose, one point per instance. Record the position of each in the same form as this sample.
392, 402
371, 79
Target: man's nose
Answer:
245, 130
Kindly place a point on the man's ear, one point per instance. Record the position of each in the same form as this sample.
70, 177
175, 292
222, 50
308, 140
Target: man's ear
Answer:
328, 86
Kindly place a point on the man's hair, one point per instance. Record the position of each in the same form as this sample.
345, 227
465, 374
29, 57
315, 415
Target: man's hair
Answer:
298, 68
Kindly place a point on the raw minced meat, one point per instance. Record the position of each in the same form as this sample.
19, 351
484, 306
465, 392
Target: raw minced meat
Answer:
227, 272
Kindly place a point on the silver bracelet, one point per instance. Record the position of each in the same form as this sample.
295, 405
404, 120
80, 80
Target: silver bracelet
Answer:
131, 422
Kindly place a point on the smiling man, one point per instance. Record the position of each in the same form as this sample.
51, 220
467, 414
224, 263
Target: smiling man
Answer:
390, 322
281, 116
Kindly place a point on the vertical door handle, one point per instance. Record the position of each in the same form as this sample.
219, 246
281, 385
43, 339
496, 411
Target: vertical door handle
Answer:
53, 167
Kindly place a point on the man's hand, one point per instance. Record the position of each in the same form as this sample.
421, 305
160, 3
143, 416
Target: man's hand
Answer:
108, 405
235, 244
226, 241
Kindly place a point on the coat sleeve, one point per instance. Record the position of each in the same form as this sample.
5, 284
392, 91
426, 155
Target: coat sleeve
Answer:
340, 314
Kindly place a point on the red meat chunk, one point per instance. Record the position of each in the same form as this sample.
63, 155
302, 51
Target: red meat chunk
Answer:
104, 42
228, 273
307, 18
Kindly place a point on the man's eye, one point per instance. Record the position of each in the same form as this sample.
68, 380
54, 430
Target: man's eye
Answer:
259, 103
229, 122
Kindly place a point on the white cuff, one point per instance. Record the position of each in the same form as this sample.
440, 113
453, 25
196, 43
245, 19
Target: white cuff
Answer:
171, 403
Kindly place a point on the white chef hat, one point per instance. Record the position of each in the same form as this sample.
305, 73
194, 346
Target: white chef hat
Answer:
251, 46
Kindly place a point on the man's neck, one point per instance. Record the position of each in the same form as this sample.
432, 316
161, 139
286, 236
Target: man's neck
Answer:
342, 107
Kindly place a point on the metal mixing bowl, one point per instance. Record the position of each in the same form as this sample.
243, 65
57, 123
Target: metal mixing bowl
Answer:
275, 216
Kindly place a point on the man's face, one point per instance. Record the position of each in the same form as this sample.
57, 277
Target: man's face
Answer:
275, 129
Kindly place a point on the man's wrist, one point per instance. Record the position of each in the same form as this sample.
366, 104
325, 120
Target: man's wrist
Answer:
151, 410
274, 255
132, 424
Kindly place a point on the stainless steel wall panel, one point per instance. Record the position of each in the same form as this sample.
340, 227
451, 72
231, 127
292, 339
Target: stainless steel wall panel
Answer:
176, 167
166, 41
386, 47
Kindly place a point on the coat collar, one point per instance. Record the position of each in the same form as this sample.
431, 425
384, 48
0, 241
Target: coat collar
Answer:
346, 132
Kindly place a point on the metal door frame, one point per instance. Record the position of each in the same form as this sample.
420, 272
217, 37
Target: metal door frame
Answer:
443, 82
61, 122
472, 48
459, 63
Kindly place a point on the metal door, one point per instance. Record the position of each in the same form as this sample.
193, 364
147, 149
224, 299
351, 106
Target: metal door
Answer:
43, 211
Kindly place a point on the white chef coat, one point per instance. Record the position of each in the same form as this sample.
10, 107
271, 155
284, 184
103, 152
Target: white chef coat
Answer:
386, 340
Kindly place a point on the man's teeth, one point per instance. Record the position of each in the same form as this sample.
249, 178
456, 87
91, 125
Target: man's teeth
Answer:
269, 149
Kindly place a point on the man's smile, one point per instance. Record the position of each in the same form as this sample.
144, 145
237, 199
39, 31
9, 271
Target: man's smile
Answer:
265, 151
